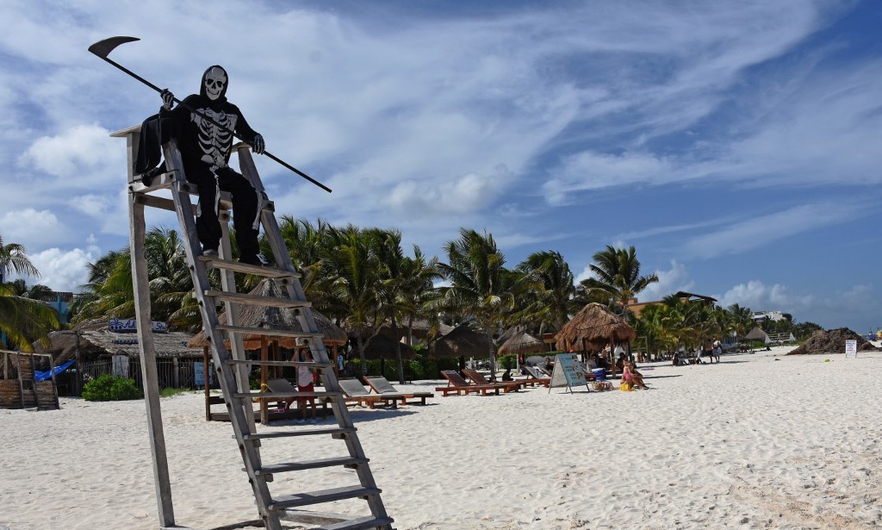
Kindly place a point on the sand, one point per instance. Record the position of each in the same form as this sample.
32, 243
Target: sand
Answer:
757, 441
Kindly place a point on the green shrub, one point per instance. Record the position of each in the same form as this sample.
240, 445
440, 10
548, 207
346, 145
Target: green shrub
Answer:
111, 388
509, 361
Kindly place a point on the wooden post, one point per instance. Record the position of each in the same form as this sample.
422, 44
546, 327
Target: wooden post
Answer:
205, 384
176, 368
137, 232
264, 372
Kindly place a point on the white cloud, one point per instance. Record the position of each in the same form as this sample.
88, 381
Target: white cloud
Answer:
61, 270
761, 297
670, 281
82, 156
32, 228
758, 231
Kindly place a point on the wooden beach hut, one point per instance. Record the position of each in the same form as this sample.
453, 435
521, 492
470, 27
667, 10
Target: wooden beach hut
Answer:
111, 347
592, 329
19, 386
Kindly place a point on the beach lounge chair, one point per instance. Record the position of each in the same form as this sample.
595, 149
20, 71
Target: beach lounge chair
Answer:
382, 386
478, 379
355, 393
456, 384
535, 377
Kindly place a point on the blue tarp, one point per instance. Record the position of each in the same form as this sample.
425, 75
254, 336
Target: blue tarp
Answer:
40, 375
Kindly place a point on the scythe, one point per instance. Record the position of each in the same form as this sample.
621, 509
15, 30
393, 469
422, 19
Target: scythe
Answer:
103, 48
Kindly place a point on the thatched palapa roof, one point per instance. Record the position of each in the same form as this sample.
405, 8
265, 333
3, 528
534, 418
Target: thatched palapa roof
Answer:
522, 342
757, 334
100, 341
593, 328
383, 347
461, 342
266, 317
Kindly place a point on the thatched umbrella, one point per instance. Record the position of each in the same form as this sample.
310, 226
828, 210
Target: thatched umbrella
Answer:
269, 318
461, 342
383, 347
522, 342
593, 328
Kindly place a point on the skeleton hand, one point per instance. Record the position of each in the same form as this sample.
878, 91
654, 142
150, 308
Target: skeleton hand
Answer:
168, 99
257, 145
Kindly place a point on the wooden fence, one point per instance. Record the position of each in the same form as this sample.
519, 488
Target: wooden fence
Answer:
171, 372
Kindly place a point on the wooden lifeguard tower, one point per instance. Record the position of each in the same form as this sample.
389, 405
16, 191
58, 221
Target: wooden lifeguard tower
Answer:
19, 388
232, 366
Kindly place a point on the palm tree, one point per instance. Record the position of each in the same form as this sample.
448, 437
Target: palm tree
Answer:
22, 320
481, 288
741, 320
417, 294
109, 291
14, 259
356, 284
392, 261
555, 289
310, 247
618, 276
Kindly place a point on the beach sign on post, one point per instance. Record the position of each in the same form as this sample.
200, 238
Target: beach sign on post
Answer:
568, 372
851, 349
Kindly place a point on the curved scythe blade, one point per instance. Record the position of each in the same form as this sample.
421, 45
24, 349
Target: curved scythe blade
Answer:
102, 48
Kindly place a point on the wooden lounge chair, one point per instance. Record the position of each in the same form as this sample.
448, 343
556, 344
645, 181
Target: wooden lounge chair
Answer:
456, 384
356, 393
383, 387
478, 379
535, 377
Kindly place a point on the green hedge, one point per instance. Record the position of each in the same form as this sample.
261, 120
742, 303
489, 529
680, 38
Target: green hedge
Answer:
111, 388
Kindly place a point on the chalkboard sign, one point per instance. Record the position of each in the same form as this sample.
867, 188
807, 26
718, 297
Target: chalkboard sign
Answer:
568, 372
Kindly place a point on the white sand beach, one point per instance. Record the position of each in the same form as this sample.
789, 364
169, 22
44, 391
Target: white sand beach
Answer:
757, 441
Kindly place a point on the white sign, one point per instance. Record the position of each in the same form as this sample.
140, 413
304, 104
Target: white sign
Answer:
568, 372
131, 326
851, 348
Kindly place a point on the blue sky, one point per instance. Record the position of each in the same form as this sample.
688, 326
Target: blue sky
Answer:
734, 144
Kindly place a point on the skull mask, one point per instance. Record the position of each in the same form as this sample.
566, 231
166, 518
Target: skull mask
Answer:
214, 83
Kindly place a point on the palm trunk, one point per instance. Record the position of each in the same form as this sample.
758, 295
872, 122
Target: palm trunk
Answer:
488, 331
361, 356
398, 351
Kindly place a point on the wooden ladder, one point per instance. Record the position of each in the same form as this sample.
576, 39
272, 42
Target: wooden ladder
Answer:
233, 367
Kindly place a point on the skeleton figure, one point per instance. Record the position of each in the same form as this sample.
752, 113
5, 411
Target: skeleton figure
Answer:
204, 125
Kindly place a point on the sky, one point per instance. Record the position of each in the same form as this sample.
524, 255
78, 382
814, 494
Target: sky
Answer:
735, 145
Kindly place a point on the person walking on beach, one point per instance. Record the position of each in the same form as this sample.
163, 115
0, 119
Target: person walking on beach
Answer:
305, 383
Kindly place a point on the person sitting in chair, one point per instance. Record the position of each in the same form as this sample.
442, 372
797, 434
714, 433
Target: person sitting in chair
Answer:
204, 125
631, 376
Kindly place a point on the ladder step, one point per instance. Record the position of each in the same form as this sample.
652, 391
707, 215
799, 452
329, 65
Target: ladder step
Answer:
346, 461
245, 268
317, 497
336, 431
269, 332
243, 298
257, 362
362, 523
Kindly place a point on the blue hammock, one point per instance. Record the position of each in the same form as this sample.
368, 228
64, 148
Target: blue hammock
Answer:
40, 375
